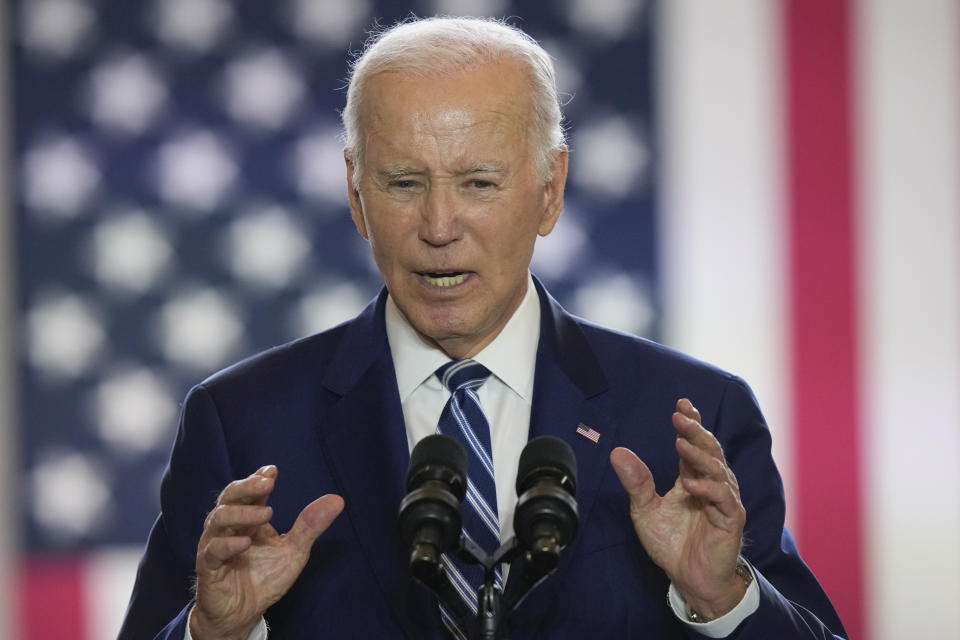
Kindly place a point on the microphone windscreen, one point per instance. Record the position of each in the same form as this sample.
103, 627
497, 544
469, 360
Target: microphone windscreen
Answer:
437, 450
546, 455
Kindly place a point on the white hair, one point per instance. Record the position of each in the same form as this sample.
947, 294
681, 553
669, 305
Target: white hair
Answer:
440, 46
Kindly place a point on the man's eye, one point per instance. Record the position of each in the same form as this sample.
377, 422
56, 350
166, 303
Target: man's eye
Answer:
403, 184
481, 184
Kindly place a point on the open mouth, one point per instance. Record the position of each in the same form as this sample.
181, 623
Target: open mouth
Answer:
445, 279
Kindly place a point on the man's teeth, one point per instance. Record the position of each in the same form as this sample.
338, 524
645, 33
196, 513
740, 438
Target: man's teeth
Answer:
445, 281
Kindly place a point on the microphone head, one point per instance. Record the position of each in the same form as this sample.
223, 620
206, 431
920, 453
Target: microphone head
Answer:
436, 457
547, 456
429, 517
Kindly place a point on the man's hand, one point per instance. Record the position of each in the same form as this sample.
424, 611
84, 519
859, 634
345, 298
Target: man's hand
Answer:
243, 564
694, 532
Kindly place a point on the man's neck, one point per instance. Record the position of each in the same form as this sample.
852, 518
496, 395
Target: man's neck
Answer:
510, 355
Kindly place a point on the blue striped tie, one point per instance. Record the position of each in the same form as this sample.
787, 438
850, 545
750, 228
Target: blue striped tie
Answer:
463, 419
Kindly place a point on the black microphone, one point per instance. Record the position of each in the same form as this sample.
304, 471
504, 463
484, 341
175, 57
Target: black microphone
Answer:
546, 518
429, 518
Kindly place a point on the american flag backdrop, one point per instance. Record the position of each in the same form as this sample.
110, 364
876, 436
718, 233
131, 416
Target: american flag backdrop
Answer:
769, 185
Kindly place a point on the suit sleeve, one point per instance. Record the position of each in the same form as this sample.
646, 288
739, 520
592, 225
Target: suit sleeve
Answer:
199, 469
792, 602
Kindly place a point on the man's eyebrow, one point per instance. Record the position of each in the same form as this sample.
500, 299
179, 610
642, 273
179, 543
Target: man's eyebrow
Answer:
392, 173
388, 173
482, 168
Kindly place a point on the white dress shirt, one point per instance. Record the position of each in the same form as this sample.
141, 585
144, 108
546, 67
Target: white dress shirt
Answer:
506, 399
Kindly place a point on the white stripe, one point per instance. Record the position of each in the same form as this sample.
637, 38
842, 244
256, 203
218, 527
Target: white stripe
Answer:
108, 582
462, 586
472, 395
723, 236
473, 383
450, 624
454, 369
466, 534
8, 386
460, 583
470, 436
908, 66
482, 509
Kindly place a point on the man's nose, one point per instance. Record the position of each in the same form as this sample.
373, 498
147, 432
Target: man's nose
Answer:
440, 219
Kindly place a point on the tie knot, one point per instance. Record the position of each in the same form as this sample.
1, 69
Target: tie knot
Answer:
462, 374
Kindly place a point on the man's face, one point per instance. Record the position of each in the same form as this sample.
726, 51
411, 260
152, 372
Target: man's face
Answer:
450, 200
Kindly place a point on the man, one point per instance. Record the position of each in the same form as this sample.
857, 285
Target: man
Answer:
455, 164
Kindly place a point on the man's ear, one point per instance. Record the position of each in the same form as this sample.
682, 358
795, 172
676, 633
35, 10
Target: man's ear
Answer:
356, 205
553, 192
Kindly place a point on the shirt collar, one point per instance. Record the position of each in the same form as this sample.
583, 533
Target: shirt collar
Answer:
511, 356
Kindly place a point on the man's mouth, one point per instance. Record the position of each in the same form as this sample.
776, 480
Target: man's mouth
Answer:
445, 279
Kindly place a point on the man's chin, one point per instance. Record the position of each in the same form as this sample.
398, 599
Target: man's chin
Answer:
453, 339
440, 335
458, 330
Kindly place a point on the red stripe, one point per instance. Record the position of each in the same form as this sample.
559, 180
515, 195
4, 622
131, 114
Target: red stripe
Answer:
823, 303
51, 599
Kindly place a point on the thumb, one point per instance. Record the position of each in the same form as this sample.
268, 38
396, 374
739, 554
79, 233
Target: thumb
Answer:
634, 475
314, 520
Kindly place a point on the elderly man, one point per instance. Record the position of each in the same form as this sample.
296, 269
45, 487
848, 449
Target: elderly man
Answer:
455, 164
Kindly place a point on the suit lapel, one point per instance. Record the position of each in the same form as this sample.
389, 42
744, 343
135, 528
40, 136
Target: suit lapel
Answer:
569, 390
365, 445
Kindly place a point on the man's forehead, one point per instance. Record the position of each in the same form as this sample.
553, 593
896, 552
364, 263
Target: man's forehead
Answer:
496, 94
389, 159
394, 116
460, 142
401, 128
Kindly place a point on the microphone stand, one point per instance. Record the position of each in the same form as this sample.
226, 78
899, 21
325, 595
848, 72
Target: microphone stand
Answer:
492, 604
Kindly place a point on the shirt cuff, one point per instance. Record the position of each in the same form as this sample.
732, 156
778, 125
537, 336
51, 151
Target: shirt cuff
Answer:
259, 632
728, 622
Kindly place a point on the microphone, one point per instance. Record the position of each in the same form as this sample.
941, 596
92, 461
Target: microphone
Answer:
429, 518
546, 516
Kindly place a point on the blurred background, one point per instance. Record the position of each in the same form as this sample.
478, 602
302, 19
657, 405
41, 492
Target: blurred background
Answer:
770, 186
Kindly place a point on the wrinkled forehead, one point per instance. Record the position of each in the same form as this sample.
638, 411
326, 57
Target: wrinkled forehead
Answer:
487, 107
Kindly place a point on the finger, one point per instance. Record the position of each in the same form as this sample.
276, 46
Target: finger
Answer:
694, 432
314, 520
227, 520
635, 477
254, 489
218, 551
721, 496
686, 407
700, 462
697, 463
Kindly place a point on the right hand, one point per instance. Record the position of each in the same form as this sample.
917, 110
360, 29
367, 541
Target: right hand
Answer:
243, 564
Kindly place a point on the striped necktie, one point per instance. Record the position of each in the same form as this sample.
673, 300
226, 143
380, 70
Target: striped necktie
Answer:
463, 419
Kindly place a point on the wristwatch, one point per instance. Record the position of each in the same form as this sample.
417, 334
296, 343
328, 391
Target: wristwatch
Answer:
742, 570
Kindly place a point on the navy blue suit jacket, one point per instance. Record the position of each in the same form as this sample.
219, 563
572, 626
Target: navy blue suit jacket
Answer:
326, 411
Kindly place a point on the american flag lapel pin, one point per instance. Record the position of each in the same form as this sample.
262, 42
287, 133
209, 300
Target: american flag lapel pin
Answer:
588, 432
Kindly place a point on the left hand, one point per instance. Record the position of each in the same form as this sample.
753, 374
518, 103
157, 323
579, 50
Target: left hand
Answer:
694, 532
